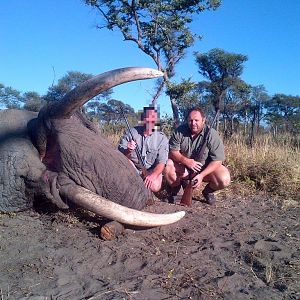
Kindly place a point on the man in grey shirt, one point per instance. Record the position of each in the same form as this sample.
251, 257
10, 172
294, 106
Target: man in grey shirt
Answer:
185, 142
153, 145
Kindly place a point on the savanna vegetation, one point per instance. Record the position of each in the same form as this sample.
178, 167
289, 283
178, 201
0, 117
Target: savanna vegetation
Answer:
263, 153
260, 131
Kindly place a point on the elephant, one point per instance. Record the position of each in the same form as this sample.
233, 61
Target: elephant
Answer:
58, 154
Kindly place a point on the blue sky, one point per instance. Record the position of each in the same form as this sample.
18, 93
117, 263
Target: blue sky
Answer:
42, 40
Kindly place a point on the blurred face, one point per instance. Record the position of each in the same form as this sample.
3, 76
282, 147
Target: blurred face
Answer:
195, 122
150, 120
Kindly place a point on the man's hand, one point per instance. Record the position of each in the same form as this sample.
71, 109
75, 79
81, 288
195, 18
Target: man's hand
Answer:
197, 181
149, 179
193, 165
131, 146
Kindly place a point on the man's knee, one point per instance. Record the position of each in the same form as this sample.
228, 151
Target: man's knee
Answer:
220, 179
156, 185
155, 188
169, 166
225, 180
169, 170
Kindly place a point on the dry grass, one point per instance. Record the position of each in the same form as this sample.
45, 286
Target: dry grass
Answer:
270, 165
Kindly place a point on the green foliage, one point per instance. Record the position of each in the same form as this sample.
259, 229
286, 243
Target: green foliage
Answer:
33, 101
186, 95
283, 113
109, 112
158, 27
222, 69
10, 98
220, 66
167, 125
223, 90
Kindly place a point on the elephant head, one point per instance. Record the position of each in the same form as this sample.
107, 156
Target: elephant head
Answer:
60, 155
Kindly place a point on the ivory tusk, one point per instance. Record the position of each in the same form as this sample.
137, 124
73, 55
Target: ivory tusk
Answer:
113, 211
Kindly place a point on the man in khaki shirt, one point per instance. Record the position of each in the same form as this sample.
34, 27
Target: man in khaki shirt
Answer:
153, 145
184, 143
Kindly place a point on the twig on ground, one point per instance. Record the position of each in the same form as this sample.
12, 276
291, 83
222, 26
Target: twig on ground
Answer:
128, 293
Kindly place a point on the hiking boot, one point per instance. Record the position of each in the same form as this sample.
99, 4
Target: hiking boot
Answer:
209, 196
174, 194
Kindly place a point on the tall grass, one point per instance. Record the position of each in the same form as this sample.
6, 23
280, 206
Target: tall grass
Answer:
271, 164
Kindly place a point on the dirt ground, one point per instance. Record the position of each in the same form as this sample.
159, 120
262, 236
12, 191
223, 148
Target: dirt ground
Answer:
244, 248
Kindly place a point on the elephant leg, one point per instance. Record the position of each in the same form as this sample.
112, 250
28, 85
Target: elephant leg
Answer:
111, 230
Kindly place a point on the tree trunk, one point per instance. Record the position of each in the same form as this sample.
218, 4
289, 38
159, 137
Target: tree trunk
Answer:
251, 135
158, 92
225, 127
231, 125
175, 112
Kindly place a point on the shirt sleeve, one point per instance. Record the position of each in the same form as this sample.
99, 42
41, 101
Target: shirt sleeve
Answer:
163, 151
216, 147
175, 140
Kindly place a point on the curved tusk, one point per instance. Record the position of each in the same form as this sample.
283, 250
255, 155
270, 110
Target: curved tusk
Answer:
117, 212
96, 85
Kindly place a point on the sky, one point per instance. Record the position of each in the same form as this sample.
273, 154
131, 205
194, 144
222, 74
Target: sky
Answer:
42, 40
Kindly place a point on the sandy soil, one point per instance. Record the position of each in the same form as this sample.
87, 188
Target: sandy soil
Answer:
244, 248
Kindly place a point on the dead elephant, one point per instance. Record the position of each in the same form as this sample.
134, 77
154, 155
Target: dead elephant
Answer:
60, 155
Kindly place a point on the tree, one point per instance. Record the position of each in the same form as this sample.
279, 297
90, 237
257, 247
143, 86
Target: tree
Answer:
160, 29
186, 95
10, 98
32, 101
110, 111
71, 80
223, 70
93, 107
283, 112
258, 100
236, 107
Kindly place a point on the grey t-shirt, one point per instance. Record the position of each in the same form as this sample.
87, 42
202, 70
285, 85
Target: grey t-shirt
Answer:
181, 140
154, 148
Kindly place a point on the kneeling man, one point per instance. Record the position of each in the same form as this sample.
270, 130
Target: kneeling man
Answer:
153, 145
184, 143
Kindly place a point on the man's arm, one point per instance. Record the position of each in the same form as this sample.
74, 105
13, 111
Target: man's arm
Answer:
127, 145
162, 157
210, 168
158, 169
190, 163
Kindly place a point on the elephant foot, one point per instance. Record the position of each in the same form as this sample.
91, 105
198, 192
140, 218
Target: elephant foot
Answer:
111, 230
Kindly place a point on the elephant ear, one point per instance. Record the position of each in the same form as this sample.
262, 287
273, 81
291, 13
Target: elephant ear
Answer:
20, 165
